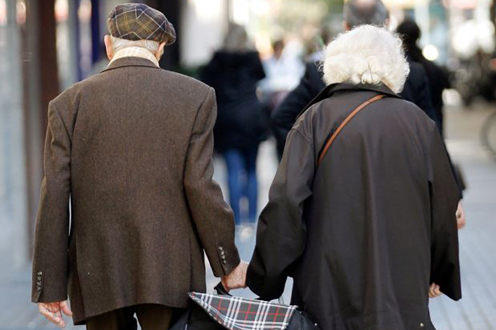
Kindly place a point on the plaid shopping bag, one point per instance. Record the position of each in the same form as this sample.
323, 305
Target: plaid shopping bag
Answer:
216, 312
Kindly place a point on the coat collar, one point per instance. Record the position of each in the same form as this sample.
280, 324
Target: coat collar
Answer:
330, 90
130, 61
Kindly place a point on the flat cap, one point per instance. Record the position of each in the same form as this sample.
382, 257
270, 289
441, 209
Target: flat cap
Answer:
137, 21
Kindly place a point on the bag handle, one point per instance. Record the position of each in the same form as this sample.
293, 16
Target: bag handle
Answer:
219, 288
343, 124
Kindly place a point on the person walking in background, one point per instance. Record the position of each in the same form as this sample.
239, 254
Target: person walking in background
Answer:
363, 221
410, 33
242, 122
283, 72
438, 79
130, 151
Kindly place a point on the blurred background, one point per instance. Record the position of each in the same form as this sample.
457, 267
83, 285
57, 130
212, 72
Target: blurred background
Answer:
46, 46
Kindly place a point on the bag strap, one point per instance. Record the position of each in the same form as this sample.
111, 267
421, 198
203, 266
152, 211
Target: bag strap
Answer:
343, 124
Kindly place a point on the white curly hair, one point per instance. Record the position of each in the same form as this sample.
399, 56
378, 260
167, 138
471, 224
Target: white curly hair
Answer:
366, 55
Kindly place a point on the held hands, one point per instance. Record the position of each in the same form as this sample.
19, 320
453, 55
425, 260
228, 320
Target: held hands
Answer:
53, 312
434, 291
237, 278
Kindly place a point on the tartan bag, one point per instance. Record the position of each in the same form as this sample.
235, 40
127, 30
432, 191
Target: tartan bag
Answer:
223, 311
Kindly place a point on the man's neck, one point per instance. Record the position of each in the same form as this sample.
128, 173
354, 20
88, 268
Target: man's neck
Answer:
135, 52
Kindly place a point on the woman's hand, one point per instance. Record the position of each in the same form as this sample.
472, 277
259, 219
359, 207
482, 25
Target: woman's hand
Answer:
460, 216
434, 291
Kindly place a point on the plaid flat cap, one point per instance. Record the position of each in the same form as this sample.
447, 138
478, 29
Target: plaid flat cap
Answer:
137, 21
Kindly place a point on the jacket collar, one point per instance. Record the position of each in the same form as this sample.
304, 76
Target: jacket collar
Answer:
330, 90
130, 61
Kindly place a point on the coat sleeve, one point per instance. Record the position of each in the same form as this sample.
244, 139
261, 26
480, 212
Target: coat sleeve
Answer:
284, 116
445, 266
52, 225
281, 233
212, 216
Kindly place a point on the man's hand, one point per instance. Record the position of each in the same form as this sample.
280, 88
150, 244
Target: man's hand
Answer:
237, 278
460, 216
53, 312
434, 291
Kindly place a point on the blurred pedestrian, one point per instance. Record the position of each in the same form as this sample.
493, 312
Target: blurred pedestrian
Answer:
129, 152
356, 13
283, 72
438, 79
363, 221
242, 122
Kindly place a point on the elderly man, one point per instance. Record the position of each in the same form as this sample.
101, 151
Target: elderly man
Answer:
130, 150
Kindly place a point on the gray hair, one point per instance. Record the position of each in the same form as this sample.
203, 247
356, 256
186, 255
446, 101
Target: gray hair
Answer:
118, 44
366, 55
359, 12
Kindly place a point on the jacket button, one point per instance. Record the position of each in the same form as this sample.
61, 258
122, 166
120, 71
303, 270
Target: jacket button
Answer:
224, 261
221, 248
421, 325
38, 289
40, 273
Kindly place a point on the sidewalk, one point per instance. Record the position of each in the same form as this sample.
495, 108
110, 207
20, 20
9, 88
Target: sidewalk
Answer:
477, 309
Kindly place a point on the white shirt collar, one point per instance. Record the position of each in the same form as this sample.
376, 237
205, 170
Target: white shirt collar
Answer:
135, 52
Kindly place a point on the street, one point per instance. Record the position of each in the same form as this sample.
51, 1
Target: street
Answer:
477, 309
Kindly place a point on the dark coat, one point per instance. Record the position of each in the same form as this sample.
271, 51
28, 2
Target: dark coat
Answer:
242, 120
131, 149
365, 233
438, 79
416, 90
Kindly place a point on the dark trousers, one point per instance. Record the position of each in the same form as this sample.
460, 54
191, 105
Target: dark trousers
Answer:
150, 317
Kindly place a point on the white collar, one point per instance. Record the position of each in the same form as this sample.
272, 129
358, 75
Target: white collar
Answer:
135, 52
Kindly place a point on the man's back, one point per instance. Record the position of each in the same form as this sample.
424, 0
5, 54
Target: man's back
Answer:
132, 146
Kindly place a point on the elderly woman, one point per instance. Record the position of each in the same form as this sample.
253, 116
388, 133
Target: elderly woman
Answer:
361, 212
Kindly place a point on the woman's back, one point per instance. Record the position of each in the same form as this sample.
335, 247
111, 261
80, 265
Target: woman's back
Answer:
362, 256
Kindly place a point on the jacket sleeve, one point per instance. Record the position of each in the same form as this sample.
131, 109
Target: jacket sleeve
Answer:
52, 226
445, 266
281, 233
284, 116
212, 217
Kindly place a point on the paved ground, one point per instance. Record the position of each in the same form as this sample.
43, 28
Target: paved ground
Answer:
477, 309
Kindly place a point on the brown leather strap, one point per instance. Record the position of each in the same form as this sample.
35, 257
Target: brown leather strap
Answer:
343, 124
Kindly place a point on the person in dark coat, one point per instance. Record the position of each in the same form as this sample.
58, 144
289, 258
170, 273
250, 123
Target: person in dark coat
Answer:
129, 153
242, 122
368, 230
357, 12
438, 78
438, 81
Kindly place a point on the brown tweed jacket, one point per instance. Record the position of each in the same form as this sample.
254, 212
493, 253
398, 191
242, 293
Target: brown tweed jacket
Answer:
130, 150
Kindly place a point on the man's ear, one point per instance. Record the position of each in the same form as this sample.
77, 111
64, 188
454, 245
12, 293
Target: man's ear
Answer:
108, 47
160, 51
346, 26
